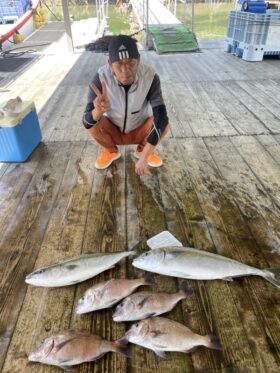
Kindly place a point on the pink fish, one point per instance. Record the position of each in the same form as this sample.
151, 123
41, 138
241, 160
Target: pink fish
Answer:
160, 335
107, 294
145, 304
73, 347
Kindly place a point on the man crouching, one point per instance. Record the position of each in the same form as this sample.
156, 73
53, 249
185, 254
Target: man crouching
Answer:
125, 106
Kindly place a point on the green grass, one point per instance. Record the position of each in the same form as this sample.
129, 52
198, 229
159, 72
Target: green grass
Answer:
210, 19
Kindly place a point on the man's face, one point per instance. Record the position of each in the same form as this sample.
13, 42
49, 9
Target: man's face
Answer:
125, 70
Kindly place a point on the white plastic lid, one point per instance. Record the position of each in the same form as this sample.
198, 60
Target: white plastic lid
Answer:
14, 119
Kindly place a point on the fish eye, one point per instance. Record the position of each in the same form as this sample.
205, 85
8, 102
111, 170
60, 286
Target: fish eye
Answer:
137, 324
145, 254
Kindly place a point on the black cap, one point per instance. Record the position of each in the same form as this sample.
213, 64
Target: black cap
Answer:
122, 46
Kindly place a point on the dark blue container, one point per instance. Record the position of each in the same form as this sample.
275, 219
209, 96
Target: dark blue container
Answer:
254, 6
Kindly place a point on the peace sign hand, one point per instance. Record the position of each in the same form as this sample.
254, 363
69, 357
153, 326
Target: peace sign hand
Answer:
101, 102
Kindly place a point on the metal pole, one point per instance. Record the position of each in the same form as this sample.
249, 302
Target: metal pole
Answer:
192, 16
147, 21
67, 25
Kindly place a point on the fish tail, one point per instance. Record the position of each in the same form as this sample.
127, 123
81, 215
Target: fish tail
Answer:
149, 279
132, 252
269, 275
184, 290
122, 348
213, 342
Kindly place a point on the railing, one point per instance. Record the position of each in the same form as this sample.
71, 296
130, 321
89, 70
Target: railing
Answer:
102, 15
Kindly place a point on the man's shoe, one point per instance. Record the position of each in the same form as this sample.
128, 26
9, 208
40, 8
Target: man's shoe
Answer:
154, 160
106, 158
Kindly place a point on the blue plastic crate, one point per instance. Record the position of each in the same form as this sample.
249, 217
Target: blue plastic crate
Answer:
18, 140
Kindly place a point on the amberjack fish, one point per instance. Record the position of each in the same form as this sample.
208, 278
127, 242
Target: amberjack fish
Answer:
145, 304
160, 334
72, 347
107, 294
189, 263
74, 270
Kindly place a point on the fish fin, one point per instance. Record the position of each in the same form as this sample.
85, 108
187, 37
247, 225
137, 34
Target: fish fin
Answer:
67, 368
62, 344
159, 353
70, 267
227, 278
213, 342
150, 315
132, 253
122, 341
269, 275
163, 239
137, 249
143, 301
122, 348
184, 290
273, 270
149, 279
156, 333
173, 254
190, 350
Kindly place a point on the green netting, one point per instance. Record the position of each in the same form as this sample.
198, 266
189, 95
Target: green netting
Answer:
173, 38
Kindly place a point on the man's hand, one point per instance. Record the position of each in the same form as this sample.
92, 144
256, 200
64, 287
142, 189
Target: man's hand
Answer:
141, 166
101, 102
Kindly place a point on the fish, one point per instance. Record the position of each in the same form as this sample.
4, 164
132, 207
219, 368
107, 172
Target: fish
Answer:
160, 334
190, 263
76, 269
107, 294
146, 304
72, 347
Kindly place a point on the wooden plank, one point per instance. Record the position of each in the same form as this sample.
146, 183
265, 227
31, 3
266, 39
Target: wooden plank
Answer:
176, 127
105, 232
270, 87
263, 109
218, 125
52, 308
249, 249
180, 126
233, 239
271, 105
22, 239
13, 185
271, 145
146, 207
267, 172
234, 110
213, 306
3, 168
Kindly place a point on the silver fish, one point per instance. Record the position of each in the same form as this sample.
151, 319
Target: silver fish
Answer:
145, 304
73, 347
107, 294
160, 334
186, 262
74, 270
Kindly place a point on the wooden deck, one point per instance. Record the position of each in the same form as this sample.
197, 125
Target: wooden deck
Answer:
219, 190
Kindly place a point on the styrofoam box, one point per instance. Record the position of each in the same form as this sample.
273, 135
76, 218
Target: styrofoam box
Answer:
19, 134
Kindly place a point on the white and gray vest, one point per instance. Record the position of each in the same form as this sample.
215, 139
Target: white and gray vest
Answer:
128, 115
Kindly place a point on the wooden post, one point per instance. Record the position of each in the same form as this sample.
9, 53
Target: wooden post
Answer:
67, 25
